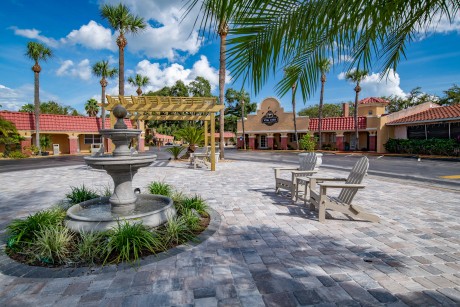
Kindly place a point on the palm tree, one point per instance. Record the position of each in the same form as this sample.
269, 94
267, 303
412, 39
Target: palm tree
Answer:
91, 107
103, 70
266, 36
240, 97
324, 67
121, 20
216, 14
138, 81
192, 135
356, 76
37, 52
287, 72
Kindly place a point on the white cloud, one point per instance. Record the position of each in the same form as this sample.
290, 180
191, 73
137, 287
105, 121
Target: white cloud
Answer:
35, 34
440, 25
13, 99
82, 70
375, 86
161, 76
93, 36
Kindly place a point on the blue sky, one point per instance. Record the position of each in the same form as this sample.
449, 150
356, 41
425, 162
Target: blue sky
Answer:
166, 52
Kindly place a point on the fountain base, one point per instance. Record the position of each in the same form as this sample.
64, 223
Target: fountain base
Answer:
97, 214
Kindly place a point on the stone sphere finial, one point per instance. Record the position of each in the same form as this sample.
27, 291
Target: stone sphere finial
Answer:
120, 112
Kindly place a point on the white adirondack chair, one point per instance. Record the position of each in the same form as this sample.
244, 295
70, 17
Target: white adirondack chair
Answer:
307, 168
342, 203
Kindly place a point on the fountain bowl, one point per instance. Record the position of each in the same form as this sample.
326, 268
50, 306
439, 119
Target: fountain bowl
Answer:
96, 214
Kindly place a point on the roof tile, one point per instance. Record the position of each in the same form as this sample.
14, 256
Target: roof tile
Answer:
337, 123
432, 114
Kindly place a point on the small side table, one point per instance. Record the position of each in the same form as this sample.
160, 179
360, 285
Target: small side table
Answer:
303, 184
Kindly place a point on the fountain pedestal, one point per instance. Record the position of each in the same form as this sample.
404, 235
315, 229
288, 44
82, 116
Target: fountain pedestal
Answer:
105, 212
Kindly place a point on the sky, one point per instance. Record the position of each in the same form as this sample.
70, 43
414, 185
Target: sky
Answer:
169, 50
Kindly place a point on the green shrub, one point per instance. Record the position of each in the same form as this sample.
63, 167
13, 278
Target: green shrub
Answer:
45, 142
80, 194
192, 219
90, 248
445, 147
17, 155
127, 242
176, 231
52, 244
25, 230
307, 143
160, 188
175, 151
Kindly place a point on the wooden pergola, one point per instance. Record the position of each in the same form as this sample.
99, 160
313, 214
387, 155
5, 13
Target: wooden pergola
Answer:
171, 108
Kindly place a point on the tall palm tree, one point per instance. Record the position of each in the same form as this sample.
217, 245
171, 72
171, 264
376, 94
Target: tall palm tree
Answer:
266, 36
288, 71
37, 52
103, 70
91, 107
216, 15
241, 97
324, 67
121, 20
356, 76
138, 81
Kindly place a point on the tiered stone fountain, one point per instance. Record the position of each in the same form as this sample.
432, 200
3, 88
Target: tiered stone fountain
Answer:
124, 205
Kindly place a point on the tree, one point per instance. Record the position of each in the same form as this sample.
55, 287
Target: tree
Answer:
324, 67
37, 52
27, 108
50, 107
329, 110
200, 87
268, 35
9, 136
238, 104
91, 107
287, 72
216, 15
192, 135
415, 97
179, 89
102, 69
356, 76
121, 20
139, 81
452, 96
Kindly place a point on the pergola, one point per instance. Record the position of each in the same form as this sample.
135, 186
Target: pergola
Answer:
171, 108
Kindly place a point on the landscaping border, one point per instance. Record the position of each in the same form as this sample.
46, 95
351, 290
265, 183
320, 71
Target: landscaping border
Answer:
11, 267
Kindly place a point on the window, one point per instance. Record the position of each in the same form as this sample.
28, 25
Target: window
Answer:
92, 139
292, 137
263, 141
370, 112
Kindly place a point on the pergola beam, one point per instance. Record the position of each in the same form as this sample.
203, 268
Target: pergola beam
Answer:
170, 117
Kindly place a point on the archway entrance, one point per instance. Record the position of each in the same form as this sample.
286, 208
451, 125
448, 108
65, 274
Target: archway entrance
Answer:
171, 108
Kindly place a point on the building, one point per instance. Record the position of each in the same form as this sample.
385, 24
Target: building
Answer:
72, 134
273, 128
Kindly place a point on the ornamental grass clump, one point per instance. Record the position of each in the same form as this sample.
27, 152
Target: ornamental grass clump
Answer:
24, 231
80, 194
160, 188
90, 247
176, 231
175, 151
194, 202
127, 242
53, 244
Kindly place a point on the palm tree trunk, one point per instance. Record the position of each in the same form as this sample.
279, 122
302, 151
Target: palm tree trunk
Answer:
242, 124
223, 37
320, 115
355, 113
295, 120
121, 76
37, 110
103, 117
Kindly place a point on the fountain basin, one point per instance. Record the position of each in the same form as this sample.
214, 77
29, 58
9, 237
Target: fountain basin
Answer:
97, 214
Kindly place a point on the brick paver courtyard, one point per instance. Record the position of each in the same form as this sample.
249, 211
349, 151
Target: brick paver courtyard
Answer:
266, 251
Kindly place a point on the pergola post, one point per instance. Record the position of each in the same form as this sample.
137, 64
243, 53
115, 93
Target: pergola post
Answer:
213, 142
206, 136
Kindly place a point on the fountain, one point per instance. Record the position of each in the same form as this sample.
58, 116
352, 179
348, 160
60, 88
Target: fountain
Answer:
124, 205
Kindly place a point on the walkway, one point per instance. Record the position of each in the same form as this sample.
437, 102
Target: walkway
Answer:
266, 251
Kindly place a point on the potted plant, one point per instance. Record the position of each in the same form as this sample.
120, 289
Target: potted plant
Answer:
45, 143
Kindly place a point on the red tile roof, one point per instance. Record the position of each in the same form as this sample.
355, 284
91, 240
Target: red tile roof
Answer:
164, 136
53, 122
432, 114
371, 100
337, 123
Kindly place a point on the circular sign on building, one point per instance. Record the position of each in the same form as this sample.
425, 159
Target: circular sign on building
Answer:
269, 119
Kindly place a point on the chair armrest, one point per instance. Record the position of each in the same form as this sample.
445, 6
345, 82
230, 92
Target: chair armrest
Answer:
341, 185
279, 169
303, 172
318, 179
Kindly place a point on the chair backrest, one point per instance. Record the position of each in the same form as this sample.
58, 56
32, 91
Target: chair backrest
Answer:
307, 161
356, 176
201, 150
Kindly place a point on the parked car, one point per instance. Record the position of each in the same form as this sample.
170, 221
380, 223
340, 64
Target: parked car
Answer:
169, 143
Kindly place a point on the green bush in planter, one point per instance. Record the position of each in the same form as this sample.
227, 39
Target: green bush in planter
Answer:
307, 143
